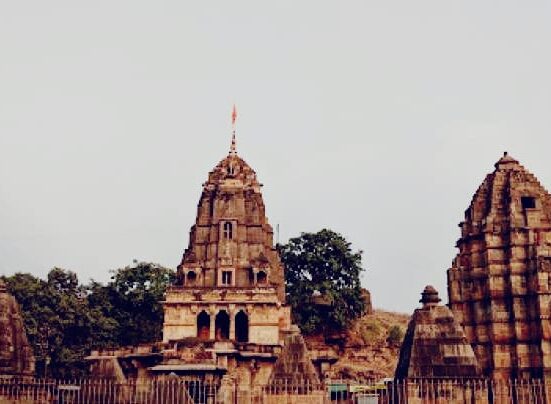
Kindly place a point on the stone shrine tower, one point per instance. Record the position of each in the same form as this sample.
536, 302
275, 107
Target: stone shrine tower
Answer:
230, 285
435, 345
16, 355
500, 285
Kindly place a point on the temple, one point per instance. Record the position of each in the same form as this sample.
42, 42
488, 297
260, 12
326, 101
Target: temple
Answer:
225, 316
499, 283
230, 288
16, 355
435, 345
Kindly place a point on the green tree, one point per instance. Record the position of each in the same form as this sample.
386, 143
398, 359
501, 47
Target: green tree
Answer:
324, 263
61, 327
395, 335
65, 320
133, 299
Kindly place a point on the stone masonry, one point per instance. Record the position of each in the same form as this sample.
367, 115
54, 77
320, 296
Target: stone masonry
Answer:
16, 356
499, 284
435, 345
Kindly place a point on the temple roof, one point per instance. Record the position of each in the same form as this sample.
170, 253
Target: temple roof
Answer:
506, 159
500, 192
435, 345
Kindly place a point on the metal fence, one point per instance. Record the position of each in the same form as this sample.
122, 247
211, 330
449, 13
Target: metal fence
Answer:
188, 390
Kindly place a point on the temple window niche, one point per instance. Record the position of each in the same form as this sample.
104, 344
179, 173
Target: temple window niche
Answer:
242, 327
228, 230
261, 278
191, 278
226, 277
222, 326
203, 326
528, 202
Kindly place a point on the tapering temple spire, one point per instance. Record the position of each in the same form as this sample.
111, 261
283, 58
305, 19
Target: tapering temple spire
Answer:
233, 147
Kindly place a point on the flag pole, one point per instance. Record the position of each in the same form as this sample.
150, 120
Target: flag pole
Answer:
233, 148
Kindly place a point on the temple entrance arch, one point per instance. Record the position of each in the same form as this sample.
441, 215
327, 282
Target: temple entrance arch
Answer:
222, 325
242, 327
203, 326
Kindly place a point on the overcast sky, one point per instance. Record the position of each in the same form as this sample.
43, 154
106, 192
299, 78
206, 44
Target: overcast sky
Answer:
377, 119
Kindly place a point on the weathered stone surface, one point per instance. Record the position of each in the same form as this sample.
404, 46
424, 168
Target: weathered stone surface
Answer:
231, 283
16, 356
499, 284
435, 344
294, 365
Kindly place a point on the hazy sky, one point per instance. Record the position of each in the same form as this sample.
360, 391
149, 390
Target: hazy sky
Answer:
377, 119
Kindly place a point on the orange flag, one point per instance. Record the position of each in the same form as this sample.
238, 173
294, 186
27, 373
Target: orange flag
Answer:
233, 115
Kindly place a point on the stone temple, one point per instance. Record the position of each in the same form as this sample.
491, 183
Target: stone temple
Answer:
16, 355
435, 345
225, 317
499, 285
230, 287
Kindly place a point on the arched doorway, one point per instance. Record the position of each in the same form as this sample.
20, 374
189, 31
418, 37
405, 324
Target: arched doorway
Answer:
203, 326
222, 325
191, 278
242, 327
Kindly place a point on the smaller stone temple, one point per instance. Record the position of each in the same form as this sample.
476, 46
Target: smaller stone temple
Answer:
294, 364
16, 355
435, 345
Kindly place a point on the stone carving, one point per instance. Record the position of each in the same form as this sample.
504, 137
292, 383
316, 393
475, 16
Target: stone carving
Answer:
16, 356
498, 284
435, 344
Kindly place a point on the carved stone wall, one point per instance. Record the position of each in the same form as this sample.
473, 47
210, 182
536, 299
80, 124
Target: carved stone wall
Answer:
232, 235
231, 284
499, 284
16, 356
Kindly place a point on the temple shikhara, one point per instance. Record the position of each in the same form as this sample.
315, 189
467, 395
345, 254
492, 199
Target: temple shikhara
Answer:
225, 316
499, 285
231, 285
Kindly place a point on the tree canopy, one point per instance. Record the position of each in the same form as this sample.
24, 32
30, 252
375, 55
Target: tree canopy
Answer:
64, 320
322, 264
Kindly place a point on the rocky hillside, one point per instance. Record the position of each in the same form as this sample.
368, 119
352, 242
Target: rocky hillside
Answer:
368, 350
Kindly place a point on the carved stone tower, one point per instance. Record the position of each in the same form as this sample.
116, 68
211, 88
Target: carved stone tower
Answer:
435, 344
16, 356
230, 282
499, 283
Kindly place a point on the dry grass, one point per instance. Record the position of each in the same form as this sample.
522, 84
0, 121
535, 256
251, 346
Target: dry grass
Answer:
364, 353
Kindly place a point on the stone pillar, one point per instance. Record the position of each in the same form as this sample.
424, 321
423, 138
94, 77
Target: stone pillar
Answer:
232, 313
212, 334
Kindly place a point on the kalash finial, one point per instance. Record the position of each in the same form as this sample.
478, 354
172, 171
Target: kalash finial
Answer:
429, 297
233, 147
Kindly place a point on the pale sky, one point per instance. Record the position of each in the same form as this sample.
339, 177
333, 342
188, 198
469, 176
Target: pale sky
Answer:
377, 119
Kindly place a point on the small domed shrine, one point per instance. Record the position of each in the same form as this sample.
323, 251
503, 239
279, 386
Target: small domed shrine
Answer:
499, 283
16, 355
435, 345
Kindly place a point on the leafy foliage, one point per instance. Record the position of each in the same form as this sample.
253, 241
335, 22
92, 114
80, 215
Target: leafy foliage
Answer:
64, 320
133, 298
322, 263
395, 335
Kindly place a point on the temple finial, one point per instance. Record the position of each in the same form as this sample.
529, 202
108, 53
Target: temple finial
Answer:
233, 147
